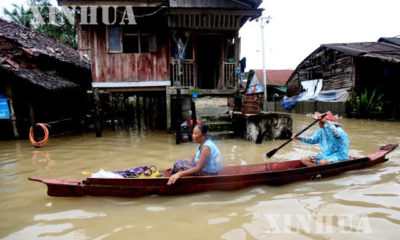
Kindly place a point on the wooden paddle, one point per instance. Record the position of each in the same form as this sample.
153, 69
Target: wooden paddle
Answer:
272, 152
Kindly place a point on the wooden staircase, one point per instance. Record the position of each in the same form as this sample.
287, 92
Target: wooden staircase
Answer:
221, 126
215, 112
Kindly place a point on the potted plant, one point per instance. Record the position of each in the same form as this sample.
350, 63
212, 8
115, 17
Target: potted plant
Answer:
194, 92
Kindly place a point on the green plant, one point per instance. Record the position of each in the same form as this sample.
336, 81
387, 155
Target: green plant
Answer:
193, 90
20, 15
362, 103
63, 30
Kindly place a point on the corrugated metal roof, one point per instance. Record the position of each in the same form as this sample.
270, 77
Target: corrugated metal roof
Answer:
395, 40
274, 77
143, 3
172, 3
230, 4
379, 50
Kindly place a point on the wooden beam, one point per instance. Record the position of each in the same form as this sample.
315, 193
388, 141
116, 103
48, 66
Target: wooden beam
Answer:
131, 84
133, 89
203, 92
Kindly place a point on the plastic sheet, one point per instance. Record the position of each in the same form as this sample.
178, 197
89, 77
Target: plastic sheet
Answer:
105, 174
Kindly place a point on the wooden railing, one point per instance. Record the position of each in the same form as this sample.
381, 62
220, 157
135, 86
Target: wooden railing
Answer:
186, 76
230, 76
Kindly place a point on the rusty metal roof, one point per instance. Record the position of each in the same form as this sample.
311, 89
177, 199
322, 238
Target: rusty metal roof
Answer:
274, 77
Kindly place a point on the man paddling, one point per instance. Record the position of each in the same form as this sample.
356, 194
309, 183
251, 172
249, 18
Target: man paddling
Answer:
332, 140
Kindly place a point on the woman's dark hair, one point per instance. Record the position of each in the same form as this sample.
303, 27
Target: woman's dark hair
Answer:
203, 128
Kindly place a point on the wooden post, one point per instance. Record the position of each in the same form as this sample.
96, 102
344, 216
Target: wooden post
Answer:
168, 99
222, 63
151, 113
12, 112
111, 105
195, 66
31, 112
237, 56
138, 112
125, 112
96, 98
193, 108
134, 107
146, 111
179, 115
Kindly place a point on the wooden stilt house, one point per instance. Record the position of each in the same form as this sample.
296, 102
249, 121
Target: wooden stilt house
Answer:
174, 44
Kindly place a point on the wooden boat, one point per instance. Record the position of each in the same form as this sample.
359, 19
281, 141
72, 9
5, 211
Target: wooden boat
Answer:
230, 178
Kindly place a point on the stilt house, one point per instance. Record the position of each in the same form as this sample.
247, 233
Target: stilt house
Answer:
174, 44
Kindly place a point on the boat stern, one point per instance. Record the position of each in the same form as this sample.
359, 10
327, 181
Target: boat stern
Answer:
62, 187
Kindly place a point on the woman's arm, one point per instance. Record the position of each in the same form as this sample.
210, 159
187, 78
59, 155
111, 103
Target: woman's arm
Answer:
192, 158
311, 140
204, 156
332, 128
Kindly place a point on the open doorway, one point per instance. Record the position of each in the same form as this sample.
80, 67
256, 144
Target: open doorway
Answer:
208, 49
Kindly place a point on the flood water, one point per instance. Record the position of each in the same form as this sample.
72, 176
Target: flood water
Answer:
362, 204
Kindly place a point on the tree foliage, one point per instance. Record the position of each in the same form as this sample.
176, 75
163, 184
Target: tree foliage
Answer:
62, 29
20, 15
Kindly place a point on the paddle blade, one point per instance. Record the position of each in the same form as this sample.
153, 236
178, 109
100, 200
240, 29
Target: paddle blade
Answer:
271, 153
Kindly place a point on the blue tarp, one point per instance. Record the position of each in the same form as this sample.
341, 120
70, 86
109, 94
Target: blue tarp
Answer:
4, 109
288, 103
259, 88
255, 86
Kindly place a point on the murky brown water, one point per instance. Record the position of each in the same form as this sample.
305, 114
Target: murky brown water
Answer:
357, 205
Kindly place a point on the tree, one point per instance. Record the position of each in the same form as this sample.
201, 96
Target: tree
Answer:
20, 15
63, 30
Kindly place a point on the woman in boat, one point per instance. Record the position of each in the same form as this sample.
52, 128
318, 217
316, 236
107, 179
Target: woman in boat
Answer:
333, 141
205, 161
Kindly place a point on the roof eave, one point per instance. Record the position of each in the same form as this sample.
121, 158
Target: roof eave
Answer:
148, 3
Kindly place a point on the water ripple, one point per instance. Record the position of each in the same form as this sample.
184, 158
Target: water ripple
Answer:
238, 200
72, 214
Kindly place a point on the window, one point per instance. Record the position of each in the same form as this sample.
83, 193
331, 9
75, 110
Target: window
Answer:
182, 42
114, 39
130, 40
131, 43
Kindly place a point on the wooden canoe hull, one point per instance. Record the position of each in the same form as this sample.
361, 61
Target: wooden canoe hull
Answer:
230, 178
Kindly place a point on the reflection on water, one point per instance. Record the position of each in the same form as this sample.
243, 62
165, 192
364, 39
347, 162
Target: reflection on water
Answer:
42, 159
361, 205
